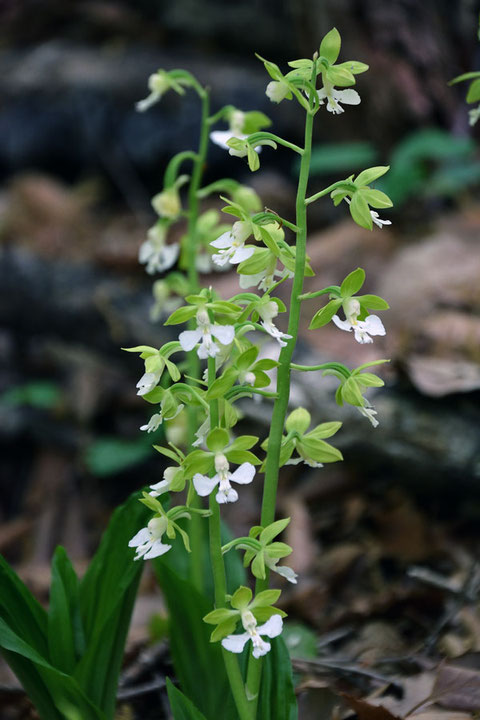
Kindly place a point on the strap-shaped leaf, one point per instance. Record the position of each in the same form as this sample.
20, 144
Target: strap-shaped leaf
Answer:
182, 708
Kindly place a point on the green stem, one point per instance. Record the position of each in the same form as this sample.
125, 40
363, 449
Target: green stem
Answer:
174, 165
275, 218
259, 136
346, 184
219, 577
283, 385
334, 289
196, 527
325, 366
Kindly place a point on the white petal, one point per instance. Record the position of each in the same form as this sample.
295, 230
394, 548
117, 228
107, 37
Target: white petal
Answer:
143, 105
203, 484
235, 643
220, 137
361, 335
226, 496
272, 627
349, 97
241, 254
221, 258
244, 474
141, 537
189, 338
374, 325
169, 256
261, 649
158, 548
224, 241
206, 350
223, 333
342, 324
286, 572
159, 488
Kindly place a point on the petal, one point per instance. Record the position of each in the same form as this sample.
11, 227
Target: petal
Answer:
224, 241
349, 97
223, 333
169, 256
159, 488
272, 627
235, 643
206, 350
241, 254
361, 335
158, 548
262, 649
342, 324
204, 484
226, 496
141, 537
286, 572
221, 258
147, 102
244, 474
220, 137
189, 338
374, 325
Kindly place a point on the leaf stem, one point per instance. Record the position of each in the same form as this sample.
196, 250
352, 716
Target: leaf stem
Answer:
346, 184
259, 136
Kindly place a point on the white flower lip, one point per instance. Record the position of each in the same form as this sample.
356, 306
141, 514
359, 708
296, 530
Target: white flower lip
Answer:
148, 540
272, 628
363, 329
204, 485
204, 335
334, 97
232, 245
147, 382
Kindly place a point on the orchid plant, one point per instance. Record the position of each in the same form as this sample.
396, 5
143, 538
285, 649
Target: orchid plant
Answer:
221, 345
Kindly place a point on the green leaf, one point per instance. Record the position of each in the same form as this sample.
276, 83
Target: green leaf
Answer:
325, 314
182, 708
39, 394
217, 440
66, 638
182, 315
465, 76
366, 177
277, 695
352, 283
107, 593
198, 663
360, 212
473, 94
373, 302
330, 45
300, 640
66, 694
351, 392
110, 455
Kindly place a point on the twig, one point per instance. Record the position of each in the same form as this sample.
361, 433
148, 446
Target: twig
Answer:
143, 689
343, 667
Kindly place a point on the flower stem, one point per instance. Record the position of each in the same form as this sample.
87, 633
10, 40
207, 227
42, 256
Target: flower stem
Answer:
345, 184
283, 386
196, 527
219, 577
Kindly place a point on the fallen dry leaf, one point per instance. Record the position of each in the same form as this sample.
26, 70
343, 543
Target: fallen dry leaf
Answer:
367, 711
457, 688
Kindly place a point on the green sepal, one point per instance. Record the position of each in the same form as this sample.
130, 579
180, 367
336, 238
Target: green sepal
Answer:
224, 629
261, 379
255, 121
252, 158
217, 440
298, 421
243, 442
256, 263
247, 358
262, 614
181, 315
369, 380
366, 177
215, 617
339, 76
273, 530
241, 598
266, 597
240, 456
473, 94
466, 76
198, 461
360, 212
376, 198
266, 364
278, 550
167, 452
325, 314
319, 450
354, 66
351, 393
221, 384
144, 350
373, 302
258, 566
330, 46
324, 430
352, 283
172, 370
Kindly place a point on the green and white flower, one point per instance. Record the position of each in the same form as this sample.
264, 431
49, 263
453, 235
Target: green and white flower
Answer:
148, 540
243, 475
272, 628
232, 244
204, 335
267, 312
334, 97
155, 254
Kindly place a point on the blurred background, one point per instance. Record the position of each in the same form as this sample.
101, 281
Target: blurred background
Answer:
78, 166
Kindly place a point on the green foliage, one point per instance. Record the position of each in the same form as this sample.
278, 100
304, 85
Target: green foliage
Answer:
69, 659
109, 455
40, 394
332, 158
277, 694
182, 708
